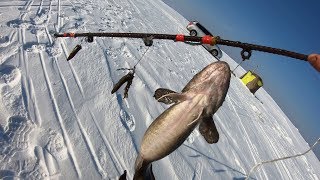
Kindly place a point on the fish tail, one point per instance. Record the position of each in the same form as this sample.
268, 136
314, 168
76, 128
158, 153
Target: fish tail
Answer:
143, 170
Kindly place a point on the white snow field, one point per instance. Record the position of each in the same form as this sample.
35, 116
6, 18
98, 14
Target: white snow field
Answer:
59, 120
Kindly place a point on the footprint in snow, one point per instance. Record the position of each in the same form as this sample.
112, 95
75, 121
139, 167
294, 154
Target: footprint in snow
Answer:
18, 23
40, 170
54, 50
128, 120
4, 41
16, 136
56, 146
41, 17
36, 48
9, 76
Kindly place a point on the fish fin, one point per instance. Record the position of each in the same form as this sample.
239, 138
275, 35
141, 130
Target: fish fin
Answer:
139, 162
168, 96
208, 130
141, 169
123, 176
149, 173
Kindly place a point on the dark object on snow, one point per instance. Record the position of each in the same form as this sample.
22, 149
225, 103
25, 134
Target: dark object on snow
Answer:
123, 176
74, 51
148, 41
90, 39
127, 78
252, 80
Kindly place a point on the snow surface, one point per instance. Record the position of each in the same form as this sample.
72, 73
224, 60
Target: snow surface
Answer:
58, 119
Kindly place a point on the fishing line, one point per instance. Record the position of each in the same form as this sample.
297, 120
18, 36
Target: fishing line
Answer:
128, 78
141, 57
279, 159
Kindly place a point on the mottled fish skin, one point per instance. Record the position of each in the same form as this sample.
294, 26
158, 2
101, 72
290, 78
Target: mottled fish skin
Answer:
199, 99
214, 80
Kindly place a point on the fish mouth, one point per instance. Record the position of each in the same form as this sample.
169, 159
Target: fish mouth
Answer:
218, 71
215, 74
219, 79
222, 66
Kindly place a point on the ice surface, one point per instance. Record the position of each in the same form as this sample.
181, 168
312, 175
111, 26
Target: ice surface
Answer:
59, 120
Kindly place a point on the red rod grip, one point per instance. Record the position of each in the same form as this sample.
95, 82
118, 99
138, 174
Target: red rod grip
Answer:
206, 39
180, 37
68, 34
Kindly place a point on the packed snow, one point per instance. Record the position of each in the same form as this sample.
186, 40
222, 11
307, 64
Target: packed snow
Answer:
59, 120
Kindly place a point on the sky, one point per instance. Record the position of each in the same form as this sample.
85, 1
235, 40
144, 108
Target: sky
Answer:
292, 25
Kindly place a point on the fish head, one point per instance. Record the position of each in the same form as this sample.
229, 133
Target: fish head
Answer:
212, 83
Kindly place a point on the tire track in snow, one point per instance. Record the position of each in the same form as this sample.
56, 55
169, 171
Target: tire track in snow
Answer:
75, 76
23, 58
82, 130
275, 148
117, 159
275, 151
26, 100
58, 16
29, 4
40, 7
134, 7
66, 88
102, 45
23, 61
37, 117
233, 143
49, 36
102, 135
86, 137
108, 65
58, 115
114, 156
287, 123
27, 8
247, 139
265, 135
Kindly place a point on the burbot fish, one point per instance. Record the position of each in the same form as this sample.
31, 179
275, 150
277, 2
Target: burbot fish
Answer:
196, 104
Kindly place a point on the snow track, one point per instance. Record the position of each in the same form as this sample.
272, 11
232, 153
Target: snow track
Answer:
59, 120
72, 69
58, 115
82, 129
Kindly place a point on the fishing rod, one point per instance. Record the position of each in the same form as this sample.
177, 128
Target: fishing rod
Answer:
193, 40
